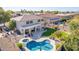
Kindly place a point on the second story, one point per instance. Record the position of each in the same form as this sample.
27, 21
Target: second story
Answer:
28, 20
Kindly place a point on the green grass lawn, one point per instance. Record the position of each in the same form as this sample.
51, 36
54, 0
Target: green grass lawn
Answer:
48, 32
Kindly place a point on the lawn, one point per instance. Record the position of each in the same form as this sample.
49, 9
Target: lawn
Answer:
48, 31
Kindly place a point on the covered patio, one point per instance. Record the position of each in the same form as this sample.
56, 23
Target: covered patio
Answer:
31, 29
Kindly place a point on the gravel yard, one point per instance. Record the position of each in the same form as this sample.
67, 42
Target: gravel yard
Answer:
8, 42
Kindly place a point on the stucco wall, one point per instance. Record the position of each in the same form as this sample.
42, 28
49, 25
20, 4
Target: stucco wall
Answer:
20, 24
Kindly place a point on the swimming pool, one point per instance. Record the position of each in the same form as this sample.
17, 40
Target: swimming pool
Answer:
43, 45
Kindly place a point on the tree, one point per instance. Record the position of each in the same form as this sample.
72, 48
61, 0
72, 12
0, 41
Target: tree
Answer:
4, 16
11, 24
63, 20
10, 12
1, 9
7, 16
48, 11
1, 14
55, 12
41, 11
22, 11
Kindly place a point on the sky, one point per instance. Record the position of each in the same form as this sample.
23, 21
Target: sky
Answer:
61, 5
43, 8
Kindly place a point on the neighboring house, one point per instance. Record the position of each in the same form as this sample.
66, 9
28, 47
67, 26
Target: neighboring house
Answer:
29, 23
55, 19
50, 19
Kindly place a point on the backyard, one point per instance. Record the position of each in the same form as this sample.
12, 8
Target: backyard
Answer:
49, 31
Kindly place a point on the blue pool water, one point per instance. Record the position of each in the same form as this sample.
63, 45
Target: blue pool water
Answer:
44, 45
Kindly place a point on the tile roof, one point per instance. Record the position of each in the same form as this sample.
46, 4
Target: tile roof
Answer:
30, 17
17, 18
40, 16
49, 15
66, 14
27, 17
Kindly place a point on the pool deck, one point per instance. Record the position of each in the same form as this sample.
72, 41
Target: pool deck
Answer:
39, 40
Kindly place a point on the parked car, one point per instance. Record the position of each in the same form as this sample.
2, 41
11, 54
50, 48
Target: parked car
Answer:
6, 29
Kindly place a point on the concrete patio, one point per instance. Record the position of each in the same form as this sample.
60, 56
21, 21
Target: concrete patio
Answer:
37, 35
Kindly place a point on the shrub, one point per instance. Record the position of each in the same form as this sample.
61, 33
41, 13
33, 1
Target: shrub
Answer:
60, 35
58, 45
11, 25
20, 45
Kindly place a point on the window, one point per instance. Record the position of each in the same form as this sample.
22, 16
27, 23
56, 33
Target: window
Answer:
42, 19
27, 22
31, 21
39, 20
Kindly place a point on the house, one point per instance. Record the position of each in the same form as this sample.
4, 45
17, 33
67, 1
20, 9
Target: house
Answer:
55, 19
32, 23
29, 23
50, 18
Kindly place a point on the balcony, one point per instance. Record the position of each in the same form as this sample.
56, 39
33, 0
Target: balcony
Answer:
31, 26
